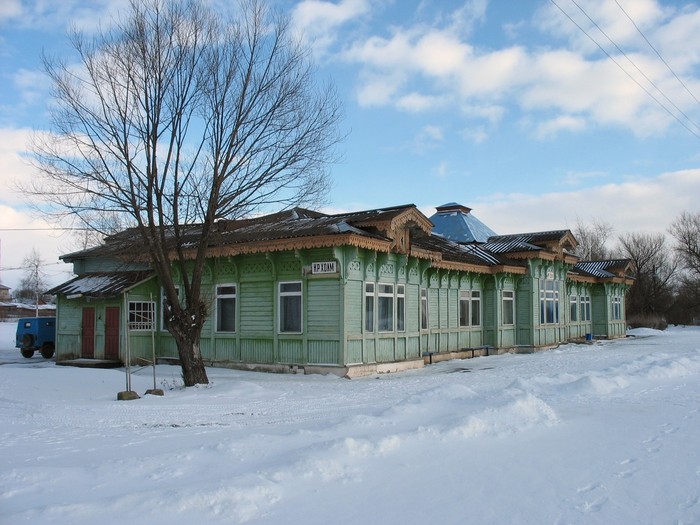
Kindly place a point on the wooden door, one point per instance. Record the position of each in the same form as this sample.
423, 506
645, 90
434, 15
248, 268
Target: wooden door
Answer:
87, 337
112, 332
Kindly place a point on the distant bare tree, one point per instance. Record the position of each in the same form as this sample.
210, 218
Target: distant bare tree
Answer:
686, 230
33, 285
655, 270
181, 114
592, 239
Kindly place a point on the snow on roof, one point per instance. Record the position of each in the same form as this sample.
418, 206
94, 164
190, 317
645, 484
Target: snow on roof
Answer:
109, 284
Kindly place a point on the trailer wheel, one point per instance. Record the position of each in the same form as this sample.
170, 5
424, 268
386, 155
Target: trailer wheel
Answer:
47, 350
28, 341
27, 353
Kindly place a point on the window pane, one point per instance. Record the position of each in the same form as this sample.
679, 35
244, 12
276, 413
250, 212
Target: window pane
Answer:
290, 313
290, 307
226, 314
290, 287
386, 314
476, 308
463, 308
508, 307
369, 307
400, 308
424, 309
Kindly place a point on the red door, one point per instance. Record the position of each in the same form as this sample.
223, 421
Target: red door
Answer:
112, 332
87, 346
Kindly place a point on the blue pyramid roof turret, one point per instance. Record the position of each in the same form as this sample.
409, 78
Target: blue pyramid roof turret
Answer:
456, 223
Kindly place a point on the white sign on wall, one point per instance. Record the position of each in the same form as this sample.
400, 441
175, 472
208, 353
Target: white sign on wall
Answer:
324, 267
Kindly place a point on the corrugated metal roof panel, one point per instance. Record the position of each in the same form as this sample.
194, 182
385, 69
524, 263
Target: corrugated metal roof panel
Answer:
110, 284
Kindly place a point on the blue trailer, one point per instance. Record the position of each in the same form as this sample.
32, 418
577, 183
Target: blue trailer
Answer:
36, 333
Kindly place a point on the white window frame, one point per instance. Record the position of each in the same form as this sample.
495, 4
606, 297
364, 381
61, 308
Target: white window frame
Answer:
464, 301
385, 298
475, 308
369, 307
573, 309
508, 305
225, 296
424, 311
280, 304
585, 304
617, 308
469, 308
549, 295
141, 315
400, 307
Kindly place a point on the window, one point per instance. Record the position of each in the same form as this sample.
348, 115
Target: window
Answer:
141, 315
400, 307
423, 309
290, 310
617, 308
385, 307
226, 308
475, 307
585, 304
469, 308
164, 308
549, 301
464, 308
508, 307
573, 308
369, 307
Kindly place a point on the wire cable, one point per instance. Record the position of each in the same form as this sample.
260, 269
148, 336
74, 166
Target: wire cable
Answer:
657, 52
673, 115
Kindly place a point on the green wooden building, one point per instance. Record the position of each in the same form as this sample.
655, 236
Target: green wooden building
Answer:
352, 294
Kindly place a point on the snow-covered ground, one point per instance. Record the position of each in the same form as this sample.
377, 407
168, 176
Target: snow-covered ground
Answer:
607, 433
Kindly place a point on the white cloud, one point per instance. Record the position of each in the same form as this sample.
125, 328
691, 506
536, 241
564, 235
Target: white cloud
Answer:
10, 9
552, 127
643, 205
425, 64
319, 20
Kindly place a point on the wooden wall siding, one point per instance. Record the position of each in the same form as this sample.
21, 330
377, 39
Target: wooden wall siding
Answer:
256, 308
354, 296
353, 351
290, 351
443, 318
325, 352
323, 306
257, 350
369, 351
525, 312
413, 350
226, 349
385, 349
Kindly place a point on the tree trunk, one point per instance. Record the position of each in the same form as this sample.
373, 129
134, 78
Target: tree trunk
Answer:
193, 370
187, 337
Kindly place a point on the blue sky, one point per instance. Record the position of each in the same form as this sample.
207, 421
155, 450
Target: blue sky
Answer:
506, 107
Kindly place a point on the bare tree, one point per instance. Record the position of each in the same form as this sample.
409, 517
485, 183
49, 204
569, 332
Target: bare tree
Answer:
592, 239
178, 115
655, 271
686, 230
33, 283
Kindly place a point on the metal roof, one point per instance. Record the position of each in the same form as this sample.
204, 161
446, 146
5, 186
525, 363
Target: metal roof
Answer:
455, 222
603, 269
103, 284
